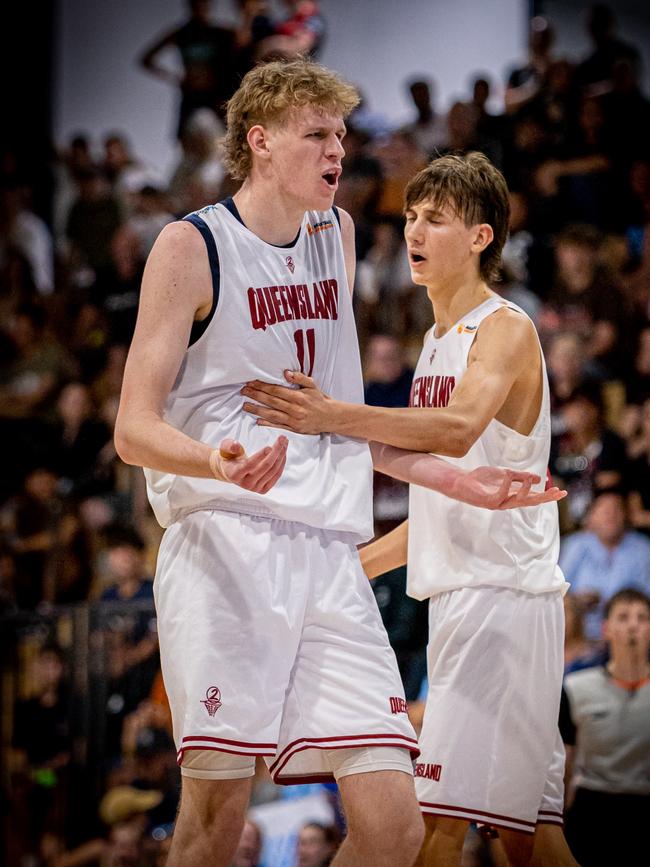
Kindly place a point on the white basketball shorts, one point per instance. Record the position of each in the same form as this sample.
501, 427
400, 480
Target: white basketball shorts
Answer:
272, 645
490, 747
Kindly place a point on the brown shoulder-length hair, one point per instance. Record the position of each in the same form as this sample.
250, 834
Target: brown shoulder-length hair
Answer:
477, 192
265, 95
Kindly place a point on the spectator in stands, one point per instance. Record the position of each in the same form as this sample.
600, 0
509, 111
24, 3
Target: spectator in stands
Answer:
565, 360
638, 379
28, 234
400, 158
579, 652
207, 54
605, 724
41, 747
386, 373
125, 173
301, 32
604, 558
585, 298
31, 381
317, 845
525, 82
249, 849
587, 455
93, 219
360, 187
428, 129
516, 259
196, 180
49, 543
597, 69
78, 443
384, 280
132, 644
639, 475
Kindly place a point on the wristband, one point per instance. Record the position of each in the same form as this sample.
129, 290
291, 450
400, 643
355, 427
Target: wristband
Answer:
214, 461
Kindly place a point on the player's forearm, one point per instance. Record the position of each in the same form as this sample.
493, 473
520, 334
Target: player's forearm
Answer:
388, 552
443, 431
145, 440
415, 468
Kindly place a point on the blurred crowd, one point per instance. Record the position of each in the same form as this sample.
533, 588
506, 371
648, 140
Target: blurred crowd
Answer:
76, 532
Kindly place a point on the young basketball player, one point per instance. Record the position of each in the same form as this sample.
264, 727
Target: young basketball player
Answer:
490, 748
271, 643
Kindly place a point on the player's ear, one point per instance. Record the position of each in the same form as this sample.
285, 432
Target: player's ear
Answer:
258, 141
483, 237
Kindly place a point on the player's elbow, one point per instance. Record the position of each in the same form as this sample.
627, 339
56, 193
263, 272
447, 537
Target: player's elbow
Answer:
123, 441
462, 438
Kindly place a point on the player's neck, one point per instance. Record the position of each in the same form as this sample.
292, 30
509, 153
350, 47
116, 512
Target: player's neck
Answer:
266, 213
450, 303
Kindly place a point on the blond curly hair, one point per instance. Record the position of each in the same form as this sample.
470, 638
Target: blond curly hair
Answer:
269, 91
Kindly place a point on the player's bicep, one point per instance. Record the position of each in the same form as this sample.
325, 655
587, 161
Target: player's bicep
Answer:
500, 353
175, 285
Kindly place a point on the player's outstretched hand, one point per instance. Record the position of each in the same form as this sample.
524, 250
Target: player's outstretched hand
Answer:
500, 488
257, 472
303, 409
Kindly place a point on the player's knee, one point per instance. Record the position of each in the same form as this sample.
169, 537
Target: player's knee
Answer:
400, 835
518, 848
214, 808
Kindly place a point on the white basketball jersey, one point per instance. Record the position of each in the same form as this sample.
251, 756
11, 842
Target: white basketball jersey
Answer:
454, 545
274, 309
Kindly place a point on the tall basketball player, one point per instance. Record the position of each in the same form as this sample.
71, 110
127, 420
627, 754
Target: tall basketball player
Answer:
490, 748
271, 643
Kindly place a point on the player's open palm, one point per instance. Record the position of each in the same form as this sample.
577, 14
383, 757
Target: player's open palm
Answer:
501, 488
257, 472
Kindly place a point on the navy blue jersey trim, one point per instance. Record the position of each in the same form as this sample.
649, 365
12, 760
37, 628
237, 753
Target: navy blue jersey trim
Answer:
230, 205
199, 328
337, 215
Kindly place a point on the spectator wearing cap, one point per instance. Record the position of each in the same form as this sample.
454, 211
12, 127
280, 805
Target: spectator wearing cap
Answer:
604, 558
121, 803
126, 812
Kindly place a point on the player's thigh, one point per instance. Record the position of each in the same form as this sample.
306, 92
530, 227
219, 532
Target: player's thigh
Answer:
518, 846
214, 804
379, 803
455, 829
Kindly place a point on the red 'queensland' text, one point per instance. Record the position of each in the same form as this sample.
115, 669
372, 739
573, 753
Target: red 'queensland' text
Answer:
429, 772
272, 304
431, 390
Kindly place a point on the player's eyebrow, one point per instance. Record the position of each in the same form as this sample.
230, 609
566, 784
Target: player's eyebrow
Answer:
431, 211
341, 131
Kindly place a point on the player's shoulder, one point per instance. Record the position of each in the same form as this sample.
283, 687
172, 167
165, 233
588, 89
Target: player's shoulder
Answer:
510, 324
346, 223
177, 238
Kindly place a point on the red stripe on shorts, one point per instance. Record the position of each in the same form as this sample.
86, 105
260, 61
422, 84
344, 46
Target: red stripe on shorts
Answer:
481, 815
398, 741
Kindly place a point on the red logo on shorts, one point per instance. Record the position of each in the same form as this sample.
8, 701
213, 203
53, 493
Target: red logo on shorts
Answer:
397, 705
290, 264
428, 771
212, 700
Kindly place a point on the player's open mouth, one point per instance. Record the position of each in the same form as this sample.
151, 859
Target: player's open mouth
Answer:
416, 258
331, 178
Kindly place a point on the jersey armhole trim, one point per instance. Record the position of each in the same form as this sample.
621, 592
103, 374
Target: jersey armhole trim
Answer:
199, 328
337, 215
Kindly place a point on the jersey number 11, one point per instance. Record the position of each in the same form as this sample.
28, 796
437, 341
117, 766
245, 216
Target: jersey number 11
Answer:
299, 337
